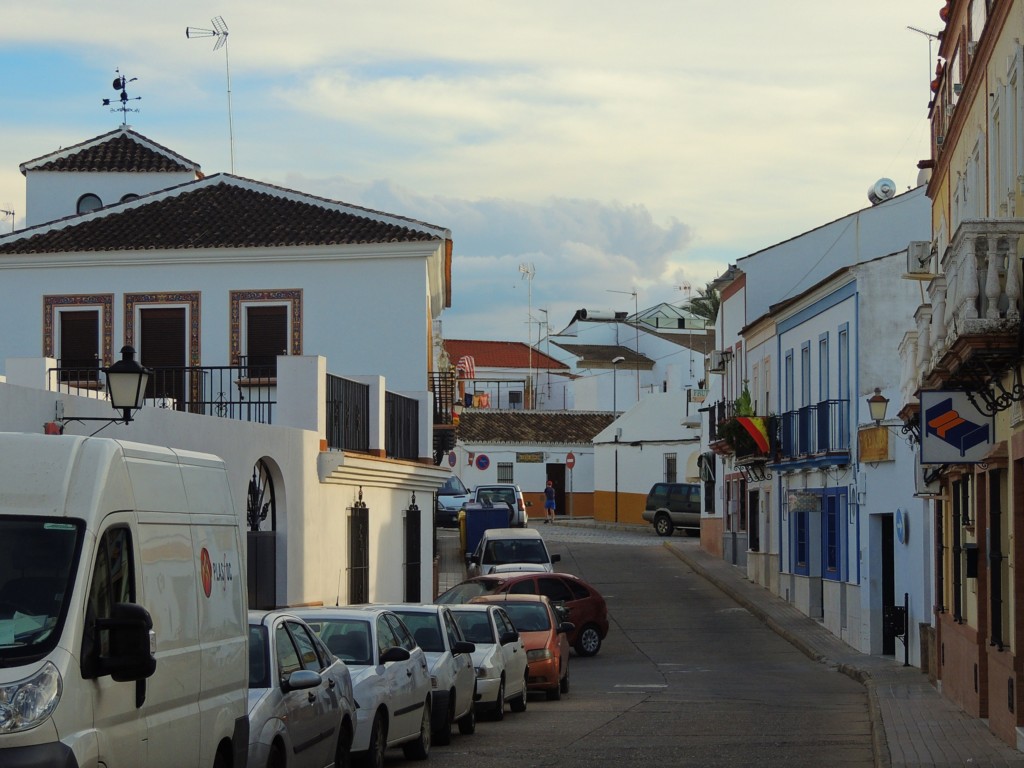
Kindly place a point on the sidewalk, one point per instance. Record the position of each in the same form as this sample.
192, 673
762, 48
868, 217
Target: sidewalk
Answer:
911, 724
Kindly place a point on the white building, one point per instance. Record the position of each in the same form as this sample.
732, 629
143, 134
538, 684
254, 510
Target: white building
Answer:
244, 298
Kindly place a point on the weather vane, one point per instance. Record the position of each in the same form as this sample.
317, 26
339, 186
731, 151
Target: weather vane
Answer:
121, 84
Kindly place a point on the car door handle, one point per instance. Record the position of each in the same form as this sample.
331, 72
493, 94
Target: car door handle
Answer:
331, 683
311, 696
408, 673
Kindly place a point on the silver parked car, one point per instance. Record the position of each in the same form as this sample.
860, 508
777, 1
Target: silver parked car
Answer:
301, 706
452, 676
390, 678
499, 658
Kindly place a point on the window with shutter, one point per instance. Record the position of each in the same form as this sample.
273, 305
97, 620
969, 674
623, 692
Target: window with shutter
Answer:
266, 337
164, 341
79, 345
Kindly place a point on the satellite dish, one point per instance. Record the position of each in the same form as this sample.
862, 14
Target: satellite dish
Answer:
881, 190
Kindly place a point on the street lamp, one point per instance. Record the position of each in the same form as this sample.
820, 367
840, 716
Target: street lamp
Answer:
126, 390
877, 404
615, 394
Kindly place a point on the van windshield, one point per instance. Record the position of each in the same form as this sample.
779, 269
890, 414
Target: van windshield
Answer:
38, 557
504, 551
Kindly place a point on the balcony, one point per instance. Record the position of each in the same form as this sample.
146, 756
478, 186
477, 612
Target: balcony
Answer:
358, 417
815, 435
967, 332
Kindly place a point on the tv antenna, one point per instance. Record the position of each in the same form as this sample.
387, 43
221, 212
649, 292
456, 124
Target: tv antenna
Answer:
9, 214
121, 84
219, 31
528, 273
931, 36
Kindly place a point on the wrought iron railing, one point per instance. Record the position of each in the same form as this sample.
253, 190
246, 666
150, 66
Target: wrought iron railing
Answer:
348, 414
815, 430
401, 426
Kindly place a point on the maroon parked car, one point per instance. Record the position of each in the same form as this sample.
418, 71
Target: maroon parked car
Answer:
579, 603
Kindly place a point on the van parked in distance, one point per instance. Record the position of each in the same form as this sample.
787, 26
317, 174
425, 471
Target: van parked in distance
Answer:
673, 505
502, 550
123, 625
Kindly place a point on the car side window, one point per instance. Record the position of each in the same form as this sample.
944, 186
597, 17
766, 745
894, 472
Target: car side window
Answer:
504, 622
658, 497
524, 587
554, 589
307, 648
287, 657
451, 629
579, 592
402, 634
385, 635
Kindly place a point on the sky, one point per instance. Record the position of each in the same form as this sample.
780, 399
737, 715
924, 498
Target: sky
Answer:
583, 153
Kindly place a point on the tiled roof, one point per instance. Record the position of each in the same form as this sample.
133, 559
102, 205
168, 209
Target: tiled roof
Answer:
531, 427
500, 354
217, 212
603, 354
122, 151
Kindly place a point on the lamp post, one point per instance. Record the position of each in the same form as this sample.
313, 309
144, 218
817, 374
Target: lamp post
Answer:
615, 391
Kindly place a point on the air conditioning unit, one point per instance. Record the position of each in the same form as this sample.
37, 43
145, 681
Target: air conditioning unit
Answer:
919, 260
716, 361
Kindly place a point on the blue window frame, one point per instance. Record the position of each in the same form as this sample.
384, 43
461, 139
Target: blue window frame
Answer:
823, 368
805, 373
801, 543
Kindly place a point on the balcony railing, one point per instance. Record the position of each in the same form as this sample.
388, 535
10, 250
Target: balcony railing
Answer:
401, 426
818, 430
975, 304
348, 415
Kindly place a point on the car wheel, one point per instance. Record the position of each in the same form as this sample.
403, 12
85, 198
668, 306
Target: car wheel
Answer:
374, 755
519, 705
499, 708
467, 723
563, 684
443, 735
588, 643
663, 525
343, 752
276, 758
420, 748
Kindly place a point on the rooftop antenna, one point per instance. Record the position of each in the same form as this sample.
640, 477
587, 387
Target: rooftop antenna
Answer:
931, 36
528, 273
220, 31
121, 84
10, 214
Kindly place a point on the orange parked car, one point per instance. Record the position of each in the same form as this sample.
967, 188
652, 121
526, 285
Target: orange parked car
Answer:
544, 635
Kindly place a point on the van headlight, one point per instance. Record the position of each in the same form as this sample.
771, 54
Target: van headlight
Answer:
27, 703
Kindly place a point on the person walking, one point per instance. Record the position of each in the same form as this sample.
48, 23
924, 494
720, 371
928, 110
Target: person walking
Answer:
549, 502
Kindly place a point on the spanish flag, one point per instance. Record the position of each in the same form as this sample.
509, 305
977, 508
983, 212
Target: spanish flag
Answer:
755, 426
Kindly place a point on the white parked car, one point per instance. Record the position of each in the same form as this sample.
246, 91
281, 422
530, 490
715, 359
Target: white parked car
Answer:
499, 658
452, 675
390, 678
510, 549
301, 708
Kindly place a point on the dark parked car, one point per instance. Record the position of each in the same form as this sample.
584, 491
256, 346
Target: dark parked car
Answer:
673, 505
577, 601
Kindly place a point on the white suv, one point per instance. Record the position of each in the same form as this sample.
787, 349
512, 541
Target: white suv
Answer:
510, 549
489, 495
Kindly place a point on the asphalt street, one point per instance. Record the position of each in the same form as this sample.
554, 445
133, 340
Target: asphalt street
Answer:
686, 677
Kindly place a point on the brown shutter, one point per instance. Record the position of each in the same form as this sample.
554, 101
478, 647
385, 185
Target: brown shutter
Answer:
266, 337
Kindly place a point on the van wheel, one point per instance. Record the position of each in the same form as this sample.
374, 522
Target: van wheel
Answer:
663, 525
588, 643
420, 748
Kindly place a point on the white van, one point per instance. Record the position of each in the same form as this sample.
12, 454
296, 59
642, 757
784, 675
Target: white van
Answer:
502, 550
123, 624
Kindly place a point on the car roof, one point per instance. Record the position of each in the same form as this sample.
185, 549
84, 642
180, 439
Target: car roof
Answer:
341, 612
413, 607
477, 608
505, 597
266, 616
512, 533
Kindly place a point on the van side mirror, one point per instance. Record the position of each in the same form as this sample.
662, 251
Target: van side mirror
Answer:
129, 645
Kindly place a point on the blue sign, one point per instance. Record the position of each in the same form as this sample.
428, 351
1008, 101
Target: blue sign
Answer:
902, 526
953, 430
482, 462
451, 458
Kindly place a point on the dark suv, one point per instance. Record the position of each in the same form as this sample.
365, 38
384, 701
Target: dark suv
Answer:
673, 505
